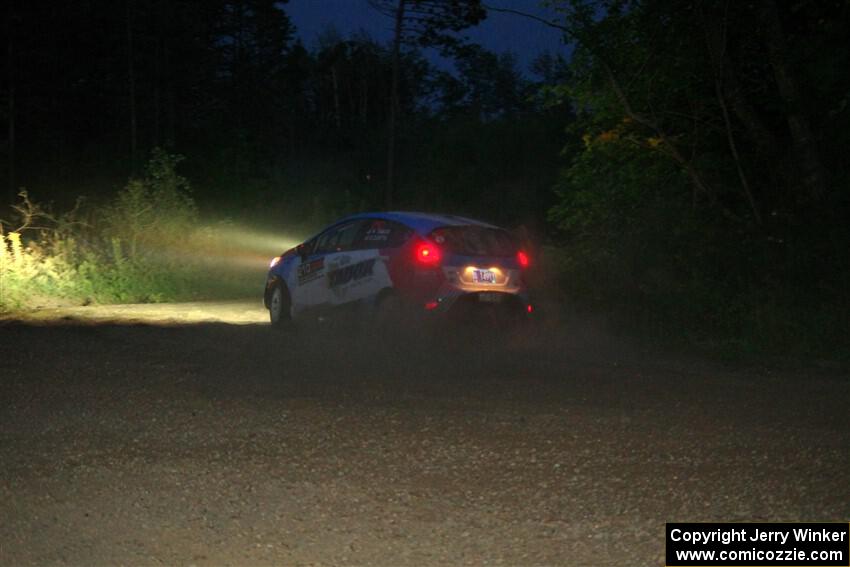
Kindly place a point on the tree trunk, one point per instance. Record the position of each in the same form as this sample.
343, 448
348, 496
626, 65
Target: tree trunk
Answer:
364, 101
169, 110
157, 85
10, 54
337, 112
131, 88
391, 146
715, 39
766, 144
757, 130
351, 87
805, 145
670, 148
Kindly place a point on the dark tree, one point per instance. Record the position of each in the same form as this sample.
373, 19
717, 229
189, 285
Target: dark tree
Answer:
11, 64
487, 86
426, 23
251, 39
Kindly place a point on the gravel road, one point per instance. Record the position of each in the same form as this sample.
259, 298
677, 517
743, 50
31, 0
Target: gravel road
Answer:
210, 439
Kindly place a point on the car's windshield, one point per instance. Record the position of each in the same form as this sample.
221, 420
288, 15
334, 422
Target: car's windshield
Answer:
475, 241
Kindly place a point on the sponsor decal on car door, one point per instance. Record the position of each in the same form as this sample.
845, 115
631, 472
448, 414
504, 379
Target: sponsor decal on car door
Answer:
355, 275
335, 248
361, 272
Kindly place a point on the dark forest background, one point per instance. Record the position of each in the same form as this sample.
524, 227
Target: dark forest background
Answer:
266, 123
681, 165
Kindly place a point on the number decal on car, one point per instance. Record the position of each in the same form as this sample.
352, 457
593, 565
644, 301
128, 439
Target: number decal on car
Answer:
310, 271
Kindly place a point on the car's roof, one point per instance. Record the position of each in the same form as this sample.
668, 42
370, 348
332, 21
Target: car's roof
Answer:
423, 223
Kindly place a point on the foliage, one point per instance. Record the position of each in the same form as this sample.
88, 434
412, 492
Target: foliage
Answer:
704, 203
488, 86
702, 191
144, 246
151, 212
430, 22
269, 123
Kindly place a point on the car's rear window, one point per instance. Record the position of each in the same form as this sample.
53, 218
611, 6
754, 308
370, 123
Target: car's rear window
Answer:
475, 240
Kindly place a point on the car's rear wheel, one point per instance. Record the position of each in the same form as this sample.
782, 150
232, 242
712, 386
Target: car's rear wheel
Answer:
279, 306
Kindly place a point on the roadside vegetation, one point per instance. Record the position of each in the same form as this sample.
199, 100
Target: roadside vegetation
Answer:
146, 245
707, 201
682, 164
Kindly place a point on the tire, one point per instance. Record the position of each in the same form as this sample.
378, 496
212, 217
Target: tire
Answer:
279, 307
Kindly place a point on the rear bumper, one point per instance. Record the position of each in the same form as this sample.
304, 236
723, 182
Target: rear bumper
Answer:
460, 304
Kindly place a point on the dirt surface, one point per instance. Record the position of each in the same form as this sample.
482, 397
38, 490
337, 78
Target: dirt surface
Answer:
212, 443
236, 312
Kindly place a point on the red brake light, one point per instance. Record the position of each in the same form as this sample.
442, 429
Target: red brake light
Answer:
428, 254
522, 258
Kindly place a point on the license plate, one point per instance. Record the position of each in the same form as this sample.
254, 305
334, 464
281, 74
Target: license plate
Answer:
484, 276
490, 297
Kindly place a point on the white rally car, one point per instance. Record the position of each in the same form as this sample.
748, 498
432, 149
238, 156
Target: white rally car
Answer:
428, 264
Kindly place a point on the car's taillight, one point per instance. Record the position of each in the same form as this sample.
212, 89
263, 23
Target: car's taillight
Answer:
428, 254
275, 261
523, 259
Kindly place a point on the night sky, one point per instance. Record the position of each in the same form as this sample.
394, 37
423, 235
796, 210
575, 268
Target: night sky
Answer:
499, 32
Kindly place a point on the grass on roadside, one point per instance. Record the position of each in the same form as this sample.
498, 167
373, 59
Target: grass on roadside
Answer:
147, 245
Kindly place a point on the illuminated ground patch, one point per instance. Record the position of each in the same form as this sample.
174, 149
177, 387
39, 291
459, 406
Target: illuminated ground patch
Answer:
237, 312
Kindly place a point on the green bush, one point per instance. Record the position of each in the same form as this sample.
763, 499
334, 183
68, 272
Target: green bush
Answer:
150, 213
145, 246
633, 245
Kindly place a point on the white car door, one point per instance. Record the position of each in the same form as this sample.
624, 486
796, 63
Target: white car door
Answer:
361, 272
306, 276
330, 254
